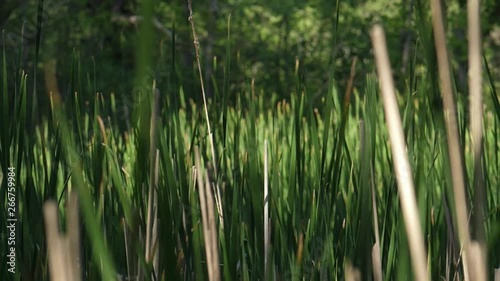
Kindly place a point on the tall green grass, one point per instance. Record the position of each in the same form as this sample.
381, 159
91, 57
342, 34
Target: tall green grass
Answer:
329, 172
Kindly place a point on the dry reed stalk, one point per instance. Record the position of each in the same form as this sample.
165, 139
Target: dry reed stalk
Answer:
63, 250
267, 223
376, 258
454, 151
376, 263
208, 221
476, 129
477, 266
212, 230
401, 163
352, 273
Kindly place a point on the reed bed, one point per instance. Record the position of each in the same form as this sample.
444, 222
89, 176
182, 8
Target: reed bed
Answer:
259, 188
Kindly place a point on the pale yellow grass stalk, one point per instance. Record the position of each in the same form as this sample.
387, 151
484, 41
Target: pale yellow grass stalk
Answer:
352, 273
208, 219
478, 269
152, 216
267, 225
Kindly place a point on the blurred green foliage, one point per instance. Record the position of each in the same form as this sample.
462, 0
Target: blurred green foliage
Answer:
268, 37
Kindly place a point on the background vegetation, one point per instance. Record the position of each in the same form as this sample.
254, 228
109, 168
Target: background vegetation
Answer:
78, 79
266, 40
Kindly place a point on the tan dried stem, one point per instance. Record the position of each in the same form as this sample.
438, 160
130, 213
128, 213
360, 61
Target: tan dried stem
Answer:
267, 225
210, 134
400, 157
208, 220
63, 250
